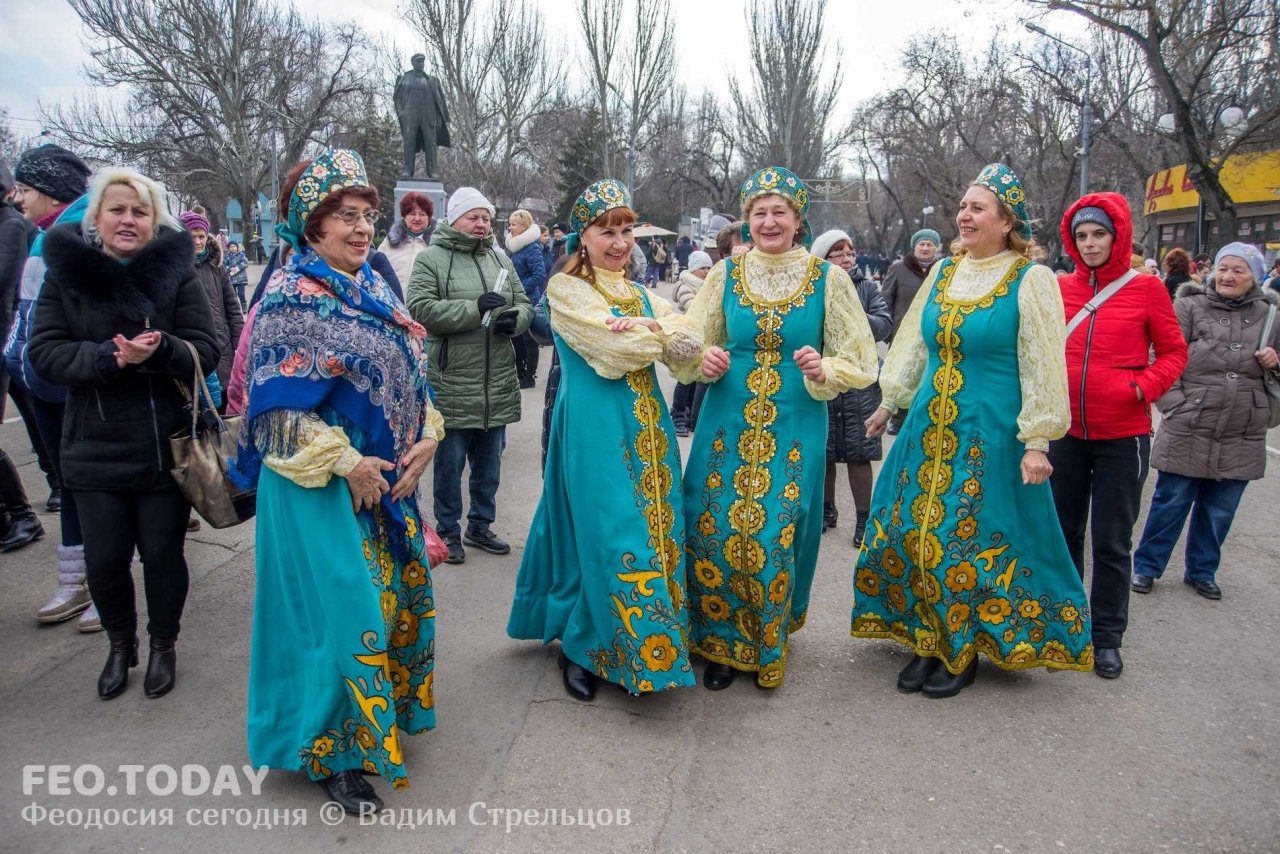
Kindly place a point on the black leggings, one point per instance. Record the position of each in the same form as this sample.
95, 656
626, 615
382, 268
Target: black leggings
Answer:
153, 522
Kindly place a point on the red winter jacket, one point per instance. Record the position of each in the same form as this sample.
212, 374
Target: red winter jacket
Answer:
1108, 354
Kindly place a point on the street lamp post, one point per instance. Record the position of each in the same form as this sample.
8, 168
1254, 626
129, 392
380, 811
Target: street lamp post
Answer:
1086, 112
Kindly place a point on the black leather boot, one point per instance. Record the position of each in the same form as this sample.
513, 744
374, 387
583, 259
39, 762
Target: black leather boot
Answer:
22, 527
912, 677
860, 528
122, 655
829, 515
349, 790
579, 682
161, 668
942, 683
717, 677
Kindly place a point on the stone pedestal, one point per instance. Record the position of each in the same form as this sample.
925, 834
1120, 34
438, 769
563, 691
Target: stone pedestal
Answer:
429, 187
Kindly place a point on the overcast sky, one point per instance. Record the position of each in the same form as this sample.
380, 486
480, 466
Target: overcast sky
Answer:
42, 54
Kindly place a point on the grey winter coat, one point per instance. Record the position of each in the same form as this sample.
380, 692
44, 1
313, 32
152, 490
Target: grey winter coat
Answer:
1215, 415
847, 440
472, 368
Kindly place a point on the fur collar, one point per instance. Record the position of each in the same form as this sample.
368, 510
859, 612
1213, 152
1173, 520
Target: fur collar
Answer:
516, 242
132, 290
1192, 288
214, 258
398, 234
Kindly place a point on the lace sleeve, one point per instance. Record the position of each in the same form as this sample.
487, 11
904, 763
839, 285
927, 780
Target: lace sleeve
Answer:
705, 319
323, 451
1042, 361
579, 314
904, 366
848, 350
681, 341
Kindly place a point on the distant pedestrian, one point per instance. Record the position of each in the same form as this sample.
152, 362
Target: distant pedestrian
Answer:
237, 267
409, 235
526, 254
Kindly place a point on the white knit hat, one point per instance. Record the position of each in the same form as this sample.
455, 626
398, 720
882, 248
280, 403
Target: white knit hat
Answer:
699, 260
823, 242
465, 199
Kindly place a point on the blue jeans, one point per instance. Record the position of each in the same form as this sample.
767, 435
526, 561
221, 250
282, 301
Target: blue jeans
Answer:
1212, 504
482, 449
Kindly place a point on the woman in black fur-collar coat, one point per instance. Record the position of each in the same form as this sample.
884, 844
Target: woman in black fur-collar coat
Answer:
120, 299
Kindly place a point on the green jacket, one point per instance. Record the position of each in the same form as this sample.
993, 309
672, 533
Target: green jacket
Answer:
472, 368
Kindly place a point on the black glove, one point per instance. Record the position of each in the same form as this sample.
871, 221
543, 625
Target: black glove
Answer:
505, 324
489, 300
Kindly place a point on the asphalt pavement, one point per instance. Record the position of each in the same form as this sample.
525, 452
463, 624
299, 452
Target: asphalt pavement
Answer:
1182, 752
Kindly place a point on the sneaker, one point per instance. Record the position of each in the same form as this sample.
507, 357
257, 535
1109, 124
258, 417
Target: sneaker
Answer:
193, 524
486, 540
89, 620
68, 601
54, 504
457, 554
528, 382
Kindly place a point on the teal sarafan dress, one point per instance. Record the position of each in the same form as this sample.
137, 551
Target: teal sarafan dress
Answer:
960, 556
753, 487
602, 570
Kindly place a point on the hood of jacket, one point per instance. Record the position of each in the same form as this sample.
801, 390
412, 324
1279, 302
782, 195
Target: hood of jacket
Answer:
134, 289
448, 237
516, 242
1121, 249
214, 256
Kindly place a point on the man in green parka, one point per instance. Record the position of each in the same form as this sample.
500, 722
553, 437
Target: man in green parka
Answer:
470, 300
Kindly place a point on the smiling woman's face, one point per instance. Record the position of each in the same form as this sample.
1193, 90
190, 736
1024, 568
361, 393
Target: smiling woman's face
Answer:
609, 246
773, 223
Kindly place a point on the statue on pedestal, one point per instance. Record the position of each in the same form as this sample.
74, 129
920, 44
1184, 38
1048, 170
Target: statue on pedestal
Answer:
423, 115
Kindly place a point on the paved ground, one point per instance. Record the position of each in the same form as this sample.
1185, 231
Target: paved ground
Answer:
1182, 752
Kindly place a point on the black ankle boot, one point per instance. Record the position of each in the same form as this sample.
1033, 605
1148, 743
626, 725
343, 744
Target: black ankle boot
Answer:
912, 677
829, 515
161, 668
23, 527
860, 526
942, 683
579, 682
717, 677
122, 655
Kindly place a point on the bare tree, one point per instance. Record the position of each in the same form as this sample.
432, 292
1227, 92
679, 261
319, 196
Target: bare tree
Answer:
650, 61
783, 115
1203, 56
208, 85
601, 23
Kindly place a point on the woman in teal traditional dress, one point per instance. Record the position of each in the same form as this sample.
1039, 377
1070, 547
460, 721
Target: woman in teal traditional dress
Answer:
785, 332
602, 570
964, 554
343, 649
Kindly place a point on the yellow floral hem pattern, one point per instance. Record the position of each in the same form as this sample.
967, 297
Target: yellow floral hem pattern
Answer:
1021, 657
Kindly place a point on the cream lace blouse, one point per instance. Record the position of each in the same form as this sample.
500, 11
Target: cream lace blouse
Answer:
1042, 363
849, 350
325, 450
579, 312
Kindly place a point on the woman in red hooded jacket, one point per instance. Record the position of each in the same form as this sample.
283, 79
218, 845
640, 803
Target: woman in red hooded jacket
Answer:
1102, 462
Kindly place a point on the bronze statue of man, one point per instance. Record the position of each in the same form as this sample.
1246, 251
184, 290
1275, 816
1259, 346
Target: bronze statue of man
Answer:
423, 115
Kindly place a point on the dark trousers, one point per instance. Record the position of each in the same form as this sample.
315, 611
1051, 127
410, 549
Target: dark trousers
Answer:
526, 356
1098, 482
48, 417
153, 522
1212, 505
482, 450
682, 403
22, 399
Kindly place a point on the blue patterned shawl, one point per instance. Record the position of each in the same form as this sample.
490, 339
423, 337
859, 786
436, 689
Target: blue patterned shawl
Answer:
342, 348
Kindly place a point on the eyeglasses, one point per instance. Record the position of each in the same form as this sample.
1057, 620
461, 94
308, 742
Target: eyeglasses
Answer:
352, 217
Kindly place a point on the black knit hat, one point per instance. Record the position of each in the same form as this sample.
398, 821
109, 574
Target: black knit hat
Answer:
54, 171
1095, 215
